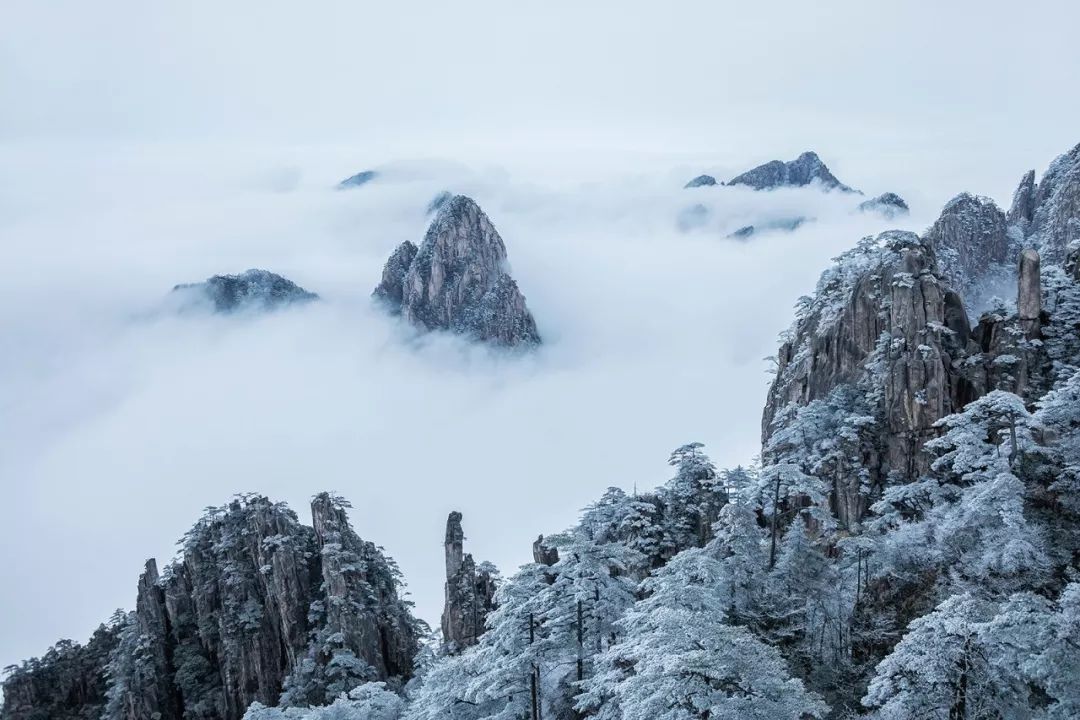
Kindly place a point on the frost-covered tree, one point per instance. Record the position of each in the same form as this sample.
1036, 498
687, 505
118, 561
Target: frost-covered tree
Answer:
680, 659
631, 520
592, 588
939, 671
370, 701
509, 673
974, 659
743, 557
692, 499
968, 517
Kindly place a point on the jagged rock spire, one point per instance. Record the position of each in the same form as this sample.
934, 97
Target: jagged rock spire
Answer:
1045, 214
470, 591
970, 241
457, 280
801, 171
256, 608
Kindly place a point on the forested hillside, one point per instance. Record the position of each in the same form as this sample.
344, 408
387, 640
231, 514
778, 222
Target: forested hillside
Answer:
906, 546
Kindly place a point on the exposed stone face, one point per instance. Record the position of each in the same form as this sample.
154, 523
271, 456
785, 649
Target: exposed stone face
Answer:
251, 289
361, 178
256, 602
544, 554
701, 181
391, 290
67, 683
1029, 297
438, 201
889, 205
457, 280
803, 170
972, 247
1053, 207
363, 610
470, 591
1023, 203
883, 321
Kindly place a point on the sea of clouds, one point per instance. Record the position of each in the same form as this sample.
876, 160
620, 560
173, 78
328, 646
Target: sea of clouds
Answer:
122, 420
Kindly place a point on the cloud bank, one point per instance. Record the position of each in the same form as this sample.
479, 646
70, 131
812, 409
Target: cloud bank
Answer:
123, 420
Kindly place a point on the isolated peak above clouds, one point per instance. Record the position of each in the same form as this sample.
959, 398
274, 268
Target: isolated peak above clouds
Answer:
151, 419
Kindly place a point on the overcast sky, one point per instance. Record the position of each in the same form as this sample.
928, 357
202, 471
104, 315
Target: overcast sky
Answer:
142, 146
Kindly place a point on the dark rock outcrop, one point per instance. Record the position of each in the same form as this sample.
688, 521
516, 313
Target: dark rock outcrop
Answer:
803, 170
973, 248
357, 180
1023, 203
250, 290
1047, 215
391, 291
66, 683
470, 591
457, 280
544, 554
701, 181
257, 608
889, 205
1029, 296
883, 321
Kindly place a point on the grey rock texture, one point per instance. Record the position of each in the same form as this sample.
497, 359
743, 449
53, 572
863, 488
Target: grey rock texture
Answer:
544, 554
257, 604
1048, 214
357, 180
701, 181
889, 205
457, 280
882, 321
438, 201
66, 683
250, 290
1023, 204
391, 291
973, 247
803, 170
1029, 296
470, 591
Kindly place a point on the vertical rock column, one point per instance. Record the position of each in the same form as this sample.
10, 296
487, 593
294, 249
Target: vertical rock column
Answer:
1029, 297
470, 592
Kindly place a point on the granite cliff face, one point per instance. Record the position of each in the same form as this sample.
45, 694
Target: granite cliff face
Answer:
803, 170
470, 591
457, 280
887, 336
257, 608
66, 683
1046, 216
882, 321
973, 247
250, 290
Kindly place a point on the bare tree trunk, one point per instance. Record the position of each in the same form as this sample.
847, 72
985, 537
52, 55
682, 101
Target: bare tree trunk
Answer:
775, 514
534, 685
